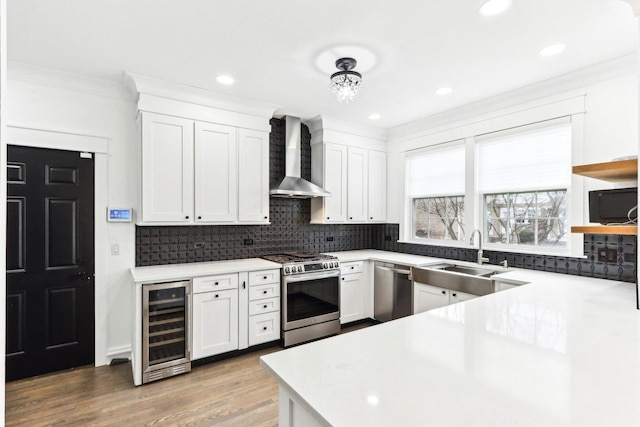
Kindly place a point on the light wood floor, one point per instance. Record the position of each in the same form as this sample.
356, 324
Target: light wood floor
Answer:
231, 392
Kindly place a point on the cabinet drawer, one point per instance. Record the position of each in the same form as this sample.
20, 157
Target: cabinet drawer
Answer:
351, 267
264, 328
264, 306
215, 283
264, 291
263, 277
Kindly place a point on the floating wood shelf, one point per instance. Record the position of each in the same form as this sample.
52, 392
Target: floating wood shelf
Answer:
617, 171
605, 229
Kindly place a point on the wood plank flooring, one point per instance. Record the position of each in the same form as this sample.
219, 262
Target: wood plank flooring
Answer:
231, 392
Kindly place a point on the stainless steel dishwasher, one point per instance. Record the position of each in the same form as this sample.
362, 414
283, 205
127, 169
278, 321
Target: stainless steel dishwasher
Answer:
392, 291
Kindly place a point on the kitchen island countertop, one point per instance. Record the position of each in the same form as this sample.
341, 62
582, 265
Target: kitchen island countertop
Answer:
560, 351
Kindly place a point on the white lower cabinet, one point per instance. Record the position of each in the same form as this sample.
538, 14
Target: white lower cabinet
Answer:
263, 306
354, 292
215, 322
428, 297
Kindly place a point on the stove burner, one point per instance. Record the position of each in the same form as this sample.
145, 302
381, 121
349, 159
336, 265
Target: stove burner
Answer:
300, 262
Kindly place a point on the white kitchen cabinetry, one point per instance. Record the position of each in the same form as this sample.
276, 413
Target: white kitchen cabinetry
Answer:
428, 297
253, 176
216, 197
264, 306
167, 169
329, 170
377, 192
215, 315
354, 292
357, 161
356, 178
197, 172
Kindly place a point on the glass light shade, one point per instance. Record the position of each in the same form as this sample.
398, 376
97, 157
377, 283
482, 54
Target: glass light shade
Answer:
345, 85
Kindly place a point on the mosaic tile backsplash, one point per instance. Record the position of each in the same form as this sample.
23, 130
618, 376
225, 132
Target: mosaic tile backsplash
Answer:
290, 231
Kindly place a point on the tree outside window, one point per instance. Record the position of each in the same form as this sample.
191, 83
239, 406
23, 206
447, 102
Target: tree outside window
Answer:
439, 218
536, 218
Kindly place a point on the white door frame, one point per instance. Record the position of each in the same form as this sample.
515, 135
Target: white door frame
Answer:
42, 138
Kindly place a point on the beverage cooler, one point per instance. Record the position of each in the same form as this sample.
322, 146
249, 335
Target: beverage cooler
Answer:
165, 314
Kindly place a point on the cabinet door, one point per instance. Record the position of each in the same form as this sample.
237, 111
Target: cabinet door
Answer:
253, 176
357, 184
335, 182
167, 168
215, 323
427, 297
216, 173
377, 177
457, 296
352, 298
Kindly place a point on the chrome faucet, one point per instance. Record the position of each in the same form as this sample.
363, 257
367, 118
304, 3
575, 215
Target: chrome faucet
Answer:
481, 259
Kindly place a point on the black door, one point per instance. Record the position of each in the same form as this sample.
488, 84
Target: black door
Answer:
50, 261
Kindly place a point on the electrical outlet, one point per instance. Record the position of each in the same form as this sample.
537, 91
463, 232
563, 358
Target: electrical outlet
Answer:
248, 241
607, 255
198, 245
330, 239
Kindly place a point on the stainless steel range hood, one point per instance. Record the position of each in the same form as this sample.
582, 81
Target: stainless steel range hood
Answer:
293, 185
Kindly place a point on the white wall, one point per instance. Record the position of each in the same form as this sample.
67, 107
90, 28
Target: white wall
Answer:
85, 107
607, 94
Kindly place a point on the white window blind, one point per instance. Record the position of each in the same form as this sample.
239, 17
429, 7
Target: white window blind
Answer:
436, 172
531, 157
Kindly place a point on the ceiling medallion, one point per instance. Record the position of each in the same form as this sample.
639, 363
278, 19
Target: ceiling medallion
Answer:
346, 83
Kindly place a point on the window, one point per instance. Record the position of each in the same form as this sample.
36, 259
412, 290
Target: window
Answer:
529, 218
435, 183
439, 217
524, 176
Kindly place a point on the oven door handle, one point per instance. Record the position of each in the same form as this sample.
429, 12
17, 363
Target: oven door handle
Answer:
311, 276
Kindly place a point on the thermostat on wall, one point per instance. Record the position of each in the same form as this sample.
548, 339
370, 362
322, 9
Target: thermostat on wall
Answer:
119, 214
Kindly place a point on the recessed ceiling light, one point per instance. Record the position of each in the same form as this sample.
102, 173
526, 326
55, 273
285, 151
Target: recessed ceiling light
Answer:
374, 116
225, 80
494, 7
551, 50
444, 91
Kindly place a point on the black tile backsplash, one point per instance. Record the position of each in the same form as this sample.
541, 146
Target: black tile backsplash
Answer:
290, 231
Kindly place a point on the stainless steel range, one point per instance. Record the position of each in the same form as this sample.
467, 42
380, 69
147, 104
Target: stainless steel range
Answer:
310, 296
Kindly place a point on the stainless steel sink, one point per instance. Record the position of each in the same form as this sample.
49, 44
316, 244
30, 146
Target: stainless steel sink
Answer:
472, 280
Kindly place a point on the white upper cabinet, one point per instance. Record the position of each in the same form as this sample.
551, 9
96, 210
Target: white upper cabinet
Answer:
357, 185
253, 176
167, 169
204, 160
349, 161
202, 173
377, 180
216, 176
329, 170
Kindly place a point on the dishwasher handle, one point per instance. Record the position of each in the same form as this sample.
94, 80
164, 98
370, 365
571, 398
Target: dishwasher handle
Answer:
394, 270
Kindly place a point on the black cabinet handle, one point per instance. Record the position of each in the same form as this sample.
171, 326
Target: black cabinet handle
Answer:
265, 217
264, 328
199, 217
265, 306
371, 218
217, 295
264, 292
443, 292
264, 277
244, 285
216, 283
352, 267
328, 218
343, 278
186, 217
454, 295
350, 217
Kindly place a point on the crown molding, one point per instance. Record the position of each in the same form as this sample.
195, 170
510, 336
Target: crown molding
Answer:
144, 85
27, 73
578, 80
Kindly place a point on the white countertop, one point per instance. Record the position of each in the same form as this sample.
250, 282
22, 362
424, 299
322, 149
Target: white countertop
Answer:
393, 257
560, 351
161, 273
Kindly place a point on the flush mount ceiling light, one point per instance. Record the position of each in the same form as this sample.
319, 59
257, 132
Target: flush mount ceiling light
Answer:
346, 83
494, 7
551, 50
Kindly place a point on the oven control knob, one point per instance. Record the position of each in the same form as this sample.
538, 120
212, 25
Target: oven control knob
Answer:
300, 269
287, 269
337, 264
330, 265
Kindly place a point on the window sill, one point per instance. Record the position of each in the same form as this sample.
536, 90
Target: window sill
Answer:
494, 248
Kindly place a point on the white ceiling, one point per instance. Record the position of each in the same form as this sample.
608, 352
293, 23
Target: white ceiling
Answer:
282, 51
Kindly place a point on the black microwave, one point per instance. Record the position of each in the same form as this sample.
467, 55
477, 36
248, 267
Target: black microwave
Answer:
613, 206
